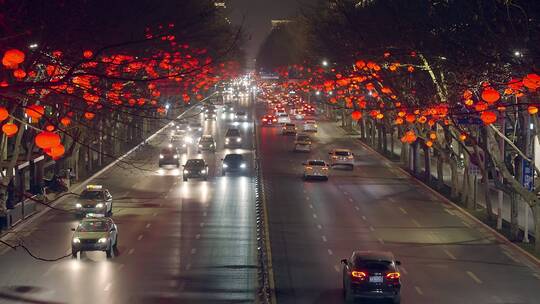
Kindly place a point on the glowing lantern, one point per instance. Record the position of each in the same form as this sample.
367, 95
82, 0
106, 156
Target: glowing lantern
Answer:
88, 54
66, 121
399, 121
50, 128
409, 137
488, 117
3, 114
356, 115
47, 140
433, 135
12, 58
19, 73
462, 136
481, 106
379, 116
89, 115
532, 81
401, 113
469, 102
490, 95
468, 94
532, 110
56, 151
35, 111
429, 143
422, 119
10, 129
410, 118
410, 69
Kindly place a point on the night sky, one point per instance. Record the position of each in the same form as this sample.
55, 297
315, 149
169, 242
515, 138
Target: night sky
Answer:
258, 14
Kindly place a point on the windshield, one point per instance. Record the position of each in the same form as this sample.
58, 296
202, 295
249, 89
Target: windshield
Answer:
316, 163
195, 163
373, 265
232, 132
92, 195
207, 139
343, 153
93, 226
167, 151
233, 157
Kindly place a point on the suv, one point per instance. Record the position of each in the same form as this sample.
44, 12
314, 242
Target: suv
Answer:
233, 138
302, 143
371, 275
94, 199
195, 168
341, 157
210, 115
207, 143
169, 156
233, 162
288, 129
179, 142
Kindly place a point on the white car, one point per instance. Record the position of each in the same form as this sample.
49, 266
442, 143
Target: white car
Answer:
310, 126
302, 143
316, 169
341, 157
288, 129
283, 118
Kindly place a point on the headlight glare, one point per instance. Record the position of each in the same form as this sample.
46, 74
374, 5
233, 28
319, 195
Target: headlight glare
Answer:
76, 240
78, 205
102, 240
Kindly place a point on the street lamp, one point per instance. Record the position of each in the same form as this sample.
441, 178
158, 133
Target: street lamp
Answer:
518, 54
33, 45
318, 93
325, 63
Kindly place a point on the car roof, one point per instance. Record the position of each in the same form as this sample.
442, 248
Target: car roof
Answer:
374, 255
342, 150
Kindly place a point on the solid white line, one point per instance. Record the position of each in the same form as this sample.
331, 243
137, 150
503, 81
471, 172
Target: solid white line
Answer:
140, 237
466, 224
474, 277
448, 211
449, 254
418, 290
324, 238
402, 210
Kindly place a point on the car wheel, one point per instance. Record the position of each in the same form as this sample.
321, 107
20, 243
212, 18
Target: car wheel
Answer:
115, 246
185, 179
351, 167
74, 254
396, 300
108, 252
347, 296
223, 173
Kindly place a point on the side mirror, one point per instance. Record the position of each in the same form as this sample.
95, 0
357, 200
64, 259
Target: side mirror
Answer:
72, 229
398, 263
344, 262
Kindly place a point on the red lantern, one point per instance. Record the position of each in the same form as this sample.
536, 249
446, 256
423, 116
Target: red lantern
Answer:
532, 81
12, 58
88, 54
356, 115
10, 129
490, 95
56, 151
532, 110
66, 121
89, 115
50, 128
47, 140
3, 114
488, 117
410, 118
19, 73
35, 111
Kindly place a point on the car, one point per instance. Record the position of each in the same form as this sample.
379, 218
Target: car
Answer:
341, 157
228, 108
302, 142
207, 143
371, 275
95, 233
298, 115
209, 108
178, 142
288, 129
240, 116
195, 168
269, 120
169, 156
316, 169
283, 118
94, 199
233, 163
233, 138
195, 127
310, 126
210, 115
181, 125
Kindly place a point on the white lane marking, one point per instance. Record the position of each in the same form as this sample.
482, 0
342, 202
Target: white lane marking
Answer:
330, 252
140, 237
198, 236
351, 200
202, 224
188, 266
418, 290
194, 250
403, 210
448, 211
336, 268
449, 254
416, 223
314, 215
107, 287
403, 270
310, 206
148, 225
53, 266
393, 200
130, 252
380, 241
474, 277
345, 192
466, 224
319, 226
324, 238
304, 190
511, 257
357, 208
371, 228
536, 275
204, 213
307, 198
364, 218
154, 214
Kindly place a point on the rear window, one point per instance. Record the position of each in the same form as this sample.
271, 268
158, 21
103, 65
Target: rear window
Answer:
289, 125
316, 163
373, 265
343, 153
233, 157
232, 132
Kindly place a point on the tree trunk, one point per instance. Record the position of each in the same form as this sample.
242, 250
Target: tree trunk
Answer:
454, 192
392, 142
536, 216
514, 228
440, 173
427, 166
487, 198
385, 142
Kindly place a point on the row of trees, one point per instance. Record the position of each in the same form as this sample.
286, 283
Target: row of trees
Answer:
95, 76
448, 77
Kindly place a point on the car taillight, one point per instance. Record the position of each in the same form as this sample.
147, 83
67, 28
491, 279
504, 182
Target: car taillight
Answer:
393, 276
309, 167
325, 168
359, 275
350, 157
264, 119
274, 120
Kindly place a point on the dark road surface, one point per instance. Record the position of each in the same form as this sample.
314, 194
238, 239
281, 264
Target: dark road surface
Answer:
446, 257
179, 242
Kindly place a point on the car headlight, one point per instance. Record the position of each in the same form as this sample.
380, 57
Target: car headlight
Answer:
200, 146
243, 166
203, 171
99, 206
238, 140
226, 139
176, 156
225, 166
76, 240
102, 240
186, 171
184, 145
161, 156
78, 205
188, 139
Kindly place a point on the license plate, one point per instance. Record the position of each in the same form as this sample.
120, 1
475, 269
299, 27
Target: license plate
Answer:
376, 279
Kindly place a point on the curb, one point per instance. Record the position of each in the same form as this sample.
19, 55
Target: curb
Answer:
499, 236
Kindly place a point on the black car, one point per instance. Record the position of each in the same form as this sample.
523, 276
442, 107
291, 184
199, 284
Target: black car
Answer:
233, 163
195, 168
169, 156
371, 275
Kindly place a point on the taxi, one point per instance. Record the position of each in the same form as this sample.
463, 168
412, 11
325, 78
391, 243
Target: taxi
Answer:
94, 199
315, 168
95, 233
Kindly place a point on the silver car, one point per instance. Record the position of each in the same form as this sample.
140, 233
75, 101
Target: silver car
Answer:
94, 199
207, 143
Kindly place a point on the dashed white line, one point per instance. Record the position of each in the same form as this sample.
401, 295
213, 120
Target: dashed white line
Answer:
130, 252
140, 237
380, 241
330, 252
351, 200
511, 257
371, 228
402, 210
357, 208
310, 206
336, 268
107, 287
198, 236
466, 224
418, 290
319, 226
324, 238
474, 277
449, 254
364, 218
307, 198
194, 250
314, 215
148, 225
417, 224
154, 214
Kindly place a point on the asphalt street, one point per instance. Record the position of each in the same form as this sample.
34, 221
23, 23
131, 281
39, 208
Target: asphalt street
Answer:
179, 242
446, 257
